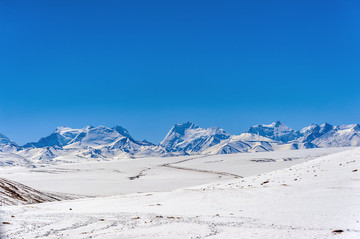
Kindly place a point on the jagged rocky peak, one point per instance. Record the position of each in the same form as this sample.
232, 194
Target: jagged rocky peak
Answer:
176, 133
188, 137
277, 124
181, 128
276, 131
122, 131
324, 128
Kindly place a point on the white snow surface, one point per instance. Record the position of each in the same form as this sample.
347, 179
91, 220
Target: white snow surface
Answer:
12, 160
318, 194
251, 137
109, 178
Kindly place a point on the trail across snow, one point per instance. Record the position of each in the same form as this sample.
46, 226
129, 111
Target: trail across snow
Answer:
110, 178
307, 200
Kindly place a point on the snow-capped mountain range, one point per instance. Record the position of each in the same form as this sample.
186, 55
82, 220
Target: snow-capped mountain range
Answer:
102, 143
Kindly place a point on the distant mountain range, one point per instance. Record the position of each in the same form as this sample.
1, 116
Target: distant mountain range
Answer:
101, 143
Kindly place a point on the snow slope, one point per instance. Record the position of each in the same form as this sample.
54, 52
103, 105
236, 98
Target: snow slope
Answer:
60, 137
314, 199
314, 131
11, 159
14, 193
246, 142
343, 135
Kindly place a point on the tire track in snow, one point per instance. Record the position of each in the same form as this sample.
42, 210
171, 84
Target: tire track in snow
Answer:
202, 171
171, 165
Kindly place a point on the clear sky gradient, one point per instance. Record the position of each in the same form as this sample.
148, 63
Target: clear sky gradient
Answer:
146, 65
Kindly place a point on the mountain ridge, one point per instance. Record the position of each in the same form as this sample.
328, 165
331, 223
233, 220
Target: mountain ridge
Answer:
102, 142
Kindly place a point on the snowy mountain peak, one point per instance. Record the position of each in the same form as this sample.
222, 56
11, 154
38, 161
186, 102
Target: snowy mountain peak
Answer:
324, 128
309, 128
122, 131
62, 129
276, 124
181, 128
188, 137
276, 131
98, 136
60, 137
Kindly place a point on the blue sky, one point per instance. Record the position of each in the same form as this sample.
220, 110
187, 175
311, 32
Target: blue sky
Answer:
146, 65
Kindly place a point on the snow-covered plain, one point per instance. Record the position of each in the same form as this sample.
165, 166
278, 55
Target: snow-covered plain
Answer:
110, 178
291, 194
